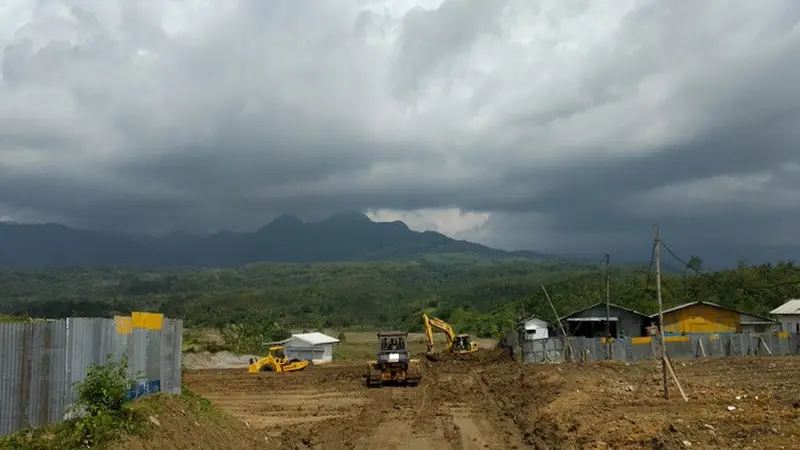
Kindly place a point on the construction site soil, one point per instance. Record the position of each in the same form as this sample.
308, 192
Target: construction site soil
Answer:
485, 401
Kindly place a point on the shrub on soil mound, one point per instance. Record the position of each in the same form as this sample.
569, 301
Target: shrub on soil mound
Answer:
190, 421
108, 420
103, 413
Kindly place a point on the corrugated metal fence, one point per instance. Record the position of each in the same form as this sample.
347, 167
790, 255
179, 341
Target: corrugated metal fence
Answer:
40, 363
632, 349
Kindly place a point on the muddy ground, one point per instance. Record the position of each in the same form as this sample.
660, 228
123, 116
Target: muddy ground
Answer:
482, 403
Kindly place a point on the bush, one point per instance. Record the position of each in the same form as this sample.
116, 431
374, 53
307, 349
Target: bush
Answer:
104, 412
104, 404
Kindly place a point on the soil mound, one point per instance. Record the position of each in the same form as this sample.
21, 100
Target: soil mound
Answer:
189, 421
218, 360
481, 356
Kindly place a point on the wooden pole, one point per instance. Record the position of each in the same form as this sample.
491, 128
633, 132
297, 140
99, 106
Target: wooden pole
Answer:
608, 310
568, 346
657, 258
563, 332
675, 378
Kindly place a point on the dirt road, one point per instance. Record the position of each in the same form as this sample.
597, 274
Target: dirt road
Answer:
500, 405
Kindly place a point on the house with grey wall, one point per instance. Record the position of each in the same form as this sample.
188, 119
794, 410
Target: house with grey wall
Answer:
591, 322
788, 316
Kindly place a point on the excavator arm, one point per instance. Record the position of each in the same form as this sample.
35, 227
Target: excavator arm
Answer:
441, 325
428, 331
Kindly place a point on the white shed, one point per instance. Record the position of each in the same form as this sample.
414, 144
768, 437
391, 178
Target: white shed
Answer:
534, 328
314, 347
788, 316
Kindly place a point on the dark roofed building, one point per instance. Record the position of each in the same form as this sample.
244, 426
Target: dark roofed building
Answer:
591, 322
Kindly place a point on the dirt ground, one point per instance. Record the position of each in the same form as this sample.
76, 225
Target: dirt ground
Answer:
482, 403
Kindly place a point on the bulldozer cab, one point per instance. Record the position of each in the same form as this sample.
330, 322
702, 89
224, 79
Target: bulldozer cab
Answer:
392, 342
462, 342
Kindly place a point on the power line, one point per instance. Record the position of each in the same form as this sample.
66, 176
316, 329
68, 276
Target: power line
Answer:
711, 276
650, 268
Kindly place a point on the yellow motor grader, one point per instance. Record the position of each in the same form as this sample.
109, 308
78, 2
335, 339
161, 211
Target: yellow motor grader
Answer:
276, 361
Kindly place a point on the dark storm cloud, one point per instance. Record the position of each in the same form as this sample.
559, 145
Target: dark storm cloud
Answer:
573, 125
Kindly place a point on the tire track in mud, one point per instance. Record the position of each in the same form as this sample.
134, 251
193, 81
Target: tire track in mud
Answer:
458, 410
344, 432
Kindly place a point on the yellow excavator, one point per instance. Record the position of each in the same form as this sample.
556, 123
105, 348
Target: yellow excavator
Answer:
459, 344
276, 361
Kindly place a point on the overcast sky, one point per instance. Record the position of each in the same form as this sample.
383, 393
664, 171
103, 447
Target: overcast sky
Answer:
565, 126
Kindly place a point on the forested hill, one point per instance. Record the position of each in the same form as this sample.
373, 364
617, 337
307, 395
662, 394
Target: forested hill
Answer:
342, 237
475, 294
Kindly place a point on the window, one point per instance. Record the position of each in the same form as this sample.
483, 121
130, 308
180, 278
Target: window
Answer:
532, 332
797, 327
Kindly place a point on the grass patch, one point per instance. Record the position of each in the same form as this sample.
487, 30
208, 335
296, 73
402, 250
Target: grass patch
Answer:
199, 406
363, 346
104, 413
15, 319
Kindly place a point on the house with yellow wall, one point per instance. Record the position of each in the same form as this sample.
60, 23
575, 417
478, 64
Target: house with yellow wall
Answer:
705, 317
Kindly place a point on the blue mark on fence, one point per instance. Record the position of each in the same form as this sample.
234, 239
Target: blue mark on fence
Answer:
143, 388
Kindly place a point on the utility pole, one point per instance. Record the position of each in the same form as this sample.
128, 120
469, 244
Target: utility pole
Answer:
657, 258
608, 310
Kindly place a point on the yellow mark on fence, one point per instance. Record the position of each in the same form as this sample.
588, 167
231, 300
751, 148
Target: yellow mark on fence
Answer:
783, 334
123, 324
147, 321
641, 340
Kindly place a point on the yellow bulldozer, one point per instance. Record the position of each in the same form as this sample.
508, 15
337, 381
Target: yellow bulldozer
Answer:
459, 344
393, 365
276, 361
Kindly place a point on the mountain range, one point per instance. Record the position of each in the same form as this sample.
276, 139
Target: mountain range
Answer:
342, 237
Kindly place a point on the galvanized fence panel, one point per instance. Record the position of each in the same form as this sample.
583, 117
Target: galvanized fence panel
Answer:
42, 363
576, 348
11, 382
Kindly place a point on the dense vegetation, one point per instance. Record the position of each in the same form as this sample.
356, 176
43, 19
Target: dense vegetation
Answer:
476, 295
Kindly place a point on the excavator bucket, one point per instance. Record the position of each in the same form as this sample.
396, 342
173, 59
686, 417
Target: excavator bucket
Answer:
432, 357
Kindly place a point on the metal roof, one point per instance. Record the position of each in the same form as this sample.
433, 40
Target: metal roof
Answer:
392, 333
612, 305
790, 307
700, 302
592, 319
315, 338
533, 317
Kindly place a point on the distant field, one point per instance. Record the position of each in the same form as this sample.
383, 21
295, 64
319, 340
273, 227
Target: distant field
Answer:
356, 346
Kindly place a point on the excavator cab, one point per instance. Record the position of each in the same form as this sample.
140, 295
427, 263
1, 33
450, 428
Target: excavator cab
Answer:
462, 344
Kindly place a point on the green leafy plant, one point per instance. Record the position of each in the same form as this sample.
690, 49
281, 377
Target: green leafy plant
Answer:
104, 405
103, 409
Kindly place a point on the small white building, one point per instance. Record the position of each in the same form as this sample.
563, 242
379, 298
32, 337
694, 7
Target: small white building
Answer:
788, 316
534, 328
314, 347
